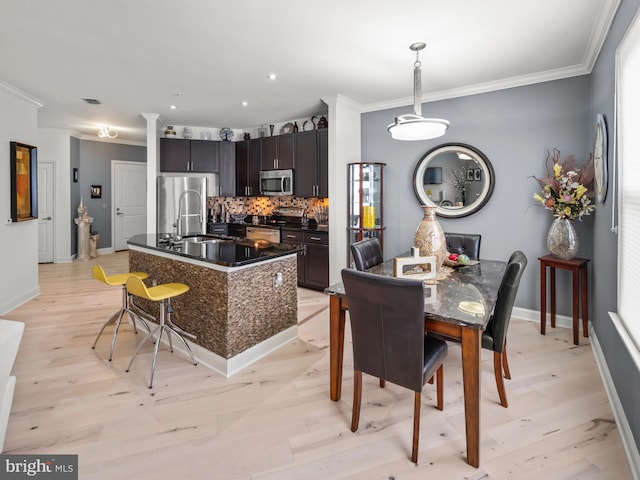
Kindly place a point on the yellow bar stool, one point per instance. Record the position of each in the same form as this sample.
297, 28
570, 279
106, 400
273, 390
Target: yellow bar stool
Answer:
160, 293
119, 279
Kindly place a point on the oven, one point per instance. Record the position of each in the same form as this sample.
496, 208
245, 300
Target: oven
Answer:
263, 233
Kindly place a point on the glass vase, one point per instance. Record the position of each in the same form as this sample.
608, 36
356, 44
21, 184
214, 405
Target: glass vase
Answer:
429, 236
562, 239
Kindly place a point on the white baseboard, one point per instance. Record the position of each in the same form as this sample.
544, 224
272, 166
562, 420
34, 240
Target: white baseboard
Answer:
16, 302
230, 366
626, 435
562, 321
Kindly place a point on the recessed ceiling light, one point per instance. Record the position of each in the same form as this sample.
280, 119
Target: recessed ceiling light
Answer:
245, 103
272, 76
172, 107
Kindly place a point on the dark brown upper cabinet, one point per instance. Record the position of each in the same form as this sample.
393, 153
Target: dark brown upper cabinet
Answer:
278, 152
189, 156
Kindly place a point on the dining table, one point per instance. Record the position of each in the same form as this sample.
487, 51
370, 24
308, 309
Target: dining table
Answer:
458, 305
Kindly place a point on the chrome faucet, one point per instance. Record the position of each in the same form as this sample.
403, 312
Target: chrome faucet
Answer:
179, 221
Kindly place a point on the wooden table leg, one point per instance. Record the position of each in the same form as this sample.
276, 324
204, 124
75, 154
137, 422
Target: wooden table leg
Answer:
471, 338
552, 294
543, 298
336, 347
575, 280
585, 302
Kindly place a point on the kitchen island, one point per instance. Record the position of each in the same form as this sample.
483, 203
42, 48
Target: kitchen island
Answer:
242, 302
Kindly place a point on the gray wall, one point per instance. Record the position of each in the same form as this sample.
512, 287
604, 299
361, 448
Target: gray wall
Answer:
95, 169
514, 128
604, 285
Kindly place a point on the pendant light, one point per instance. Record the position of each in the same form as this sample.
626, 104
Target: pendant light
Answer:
416, 127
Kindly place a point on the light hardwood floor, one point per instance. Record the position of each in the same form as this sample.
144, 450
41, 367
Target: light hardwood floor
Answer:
274, 420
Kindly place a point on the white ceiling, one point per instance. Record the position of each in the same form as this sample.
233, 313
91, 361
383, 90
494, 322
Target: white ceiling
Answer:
135, 56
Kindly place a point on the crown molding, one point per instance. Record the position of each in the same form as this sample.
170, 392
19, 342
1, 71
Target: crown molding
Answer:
487, 87
21, 94
122, 141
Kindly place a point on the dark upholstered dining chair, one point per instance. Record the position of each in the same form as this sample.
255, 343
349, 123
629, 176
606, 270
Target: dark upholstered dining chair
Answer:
467, 243
494, 336
389, 342
366, 253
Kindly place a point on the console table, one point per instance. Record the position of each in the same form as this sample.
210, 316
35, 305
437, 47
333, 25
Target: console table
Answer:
578, 268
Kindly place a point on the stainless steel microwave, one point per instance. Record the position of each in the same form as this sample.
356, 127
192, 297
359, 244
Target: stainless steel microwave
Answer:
276, 182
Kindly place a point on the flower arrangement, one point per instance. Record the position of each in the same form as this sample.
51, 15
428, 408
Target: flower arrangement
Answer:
565, 188
460, 180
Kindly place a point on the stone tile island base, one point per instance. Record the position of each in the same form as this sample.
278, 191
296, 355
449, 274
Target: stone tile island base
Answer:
238, 314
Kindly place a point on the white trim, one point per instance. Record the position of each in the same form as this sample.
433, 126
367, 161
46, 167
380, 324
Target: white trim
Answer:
123, 141
562, 321
624, 429
21, 300
21, 94
514, 82
230, 366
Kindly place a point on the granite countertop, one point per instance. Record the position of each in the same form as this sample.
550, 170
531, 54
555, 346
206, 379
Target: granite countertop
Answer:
446, 298
219, 250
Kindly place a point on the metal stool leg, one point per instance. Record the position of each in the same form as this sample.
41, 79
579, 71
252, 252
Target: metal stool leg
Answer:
133, 315
124, 308
144, 340
155, 355
165, 324
178, 332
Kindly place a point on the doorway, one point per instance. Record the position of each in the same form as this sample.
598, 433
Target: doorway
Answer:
129, 206
46, 195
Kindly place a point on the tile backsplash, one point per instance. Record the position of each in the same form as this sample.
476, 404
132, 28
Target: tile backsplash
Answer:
264, 205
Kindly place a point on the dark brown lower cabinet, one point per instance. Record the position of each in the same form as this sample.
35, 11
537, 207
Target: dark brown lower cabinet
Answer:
313, 262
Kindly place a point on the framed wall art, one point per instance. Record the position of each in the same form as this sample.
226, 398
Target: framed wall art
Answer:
96, 191
24, 182
470, 174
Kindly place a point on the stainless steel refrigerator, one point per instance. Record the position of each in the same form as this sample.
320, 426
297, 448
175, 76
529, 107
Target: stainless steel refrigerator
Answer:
182, 203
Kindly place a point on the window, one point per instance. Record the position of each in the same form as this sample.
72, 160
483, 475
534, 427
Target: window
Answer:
628, 126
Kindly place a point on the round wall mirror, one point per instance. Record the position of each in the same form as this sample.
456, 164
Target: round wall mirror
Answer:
456, 178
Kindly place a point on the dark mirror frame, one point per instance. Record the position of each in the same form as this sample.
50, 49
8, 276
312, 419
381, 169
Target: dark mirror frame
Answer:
24, 182
482, 172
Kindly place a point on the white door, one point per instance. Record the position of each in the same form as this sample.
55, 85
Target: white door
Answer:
129, 180
45, 212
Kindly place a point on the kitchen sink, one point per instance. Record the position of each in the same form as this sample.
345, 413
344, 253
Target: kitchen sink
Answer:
203, 239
